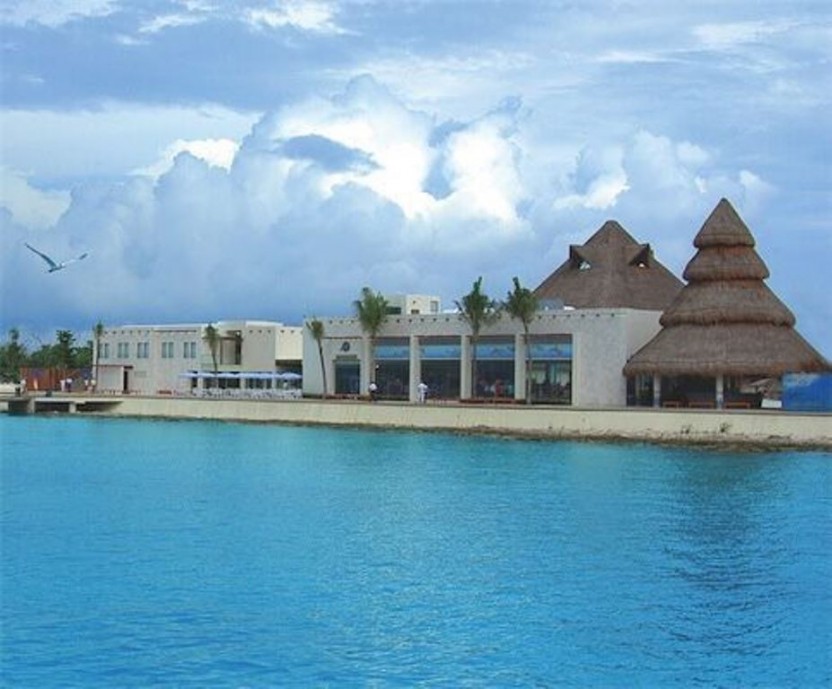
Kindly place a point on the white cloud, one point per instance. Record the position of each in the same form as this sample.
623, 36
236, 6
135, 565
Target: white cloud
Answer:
597, 180
308, 15
35, 208
53, 13
216, 152
171, 21
723, 36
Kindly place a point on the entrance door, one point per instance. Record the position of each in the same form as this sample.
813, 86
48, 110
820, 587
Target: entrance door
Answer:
347, 376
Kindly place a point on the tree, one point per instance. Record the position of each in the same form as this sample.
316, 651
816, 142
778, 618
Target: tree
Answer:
477, 310
316, 328
212, 339
521, 304
97, 334
372, 311
65, 349
12, 357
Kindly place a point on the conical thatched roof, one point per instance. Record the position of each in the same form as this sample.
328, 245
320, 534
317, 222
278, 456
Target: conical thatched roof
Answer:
612, 270
726, 321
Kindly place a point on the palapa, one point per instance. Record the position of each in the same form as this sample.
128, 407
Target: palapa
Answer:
726, 321
611, 270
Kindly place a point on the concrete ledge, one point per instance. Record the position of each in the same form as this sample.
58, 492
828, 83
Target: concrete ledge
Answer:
758, 428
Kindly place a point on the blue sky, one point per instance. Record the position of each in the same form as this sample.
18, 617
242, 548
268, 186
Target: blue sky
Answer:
266, 160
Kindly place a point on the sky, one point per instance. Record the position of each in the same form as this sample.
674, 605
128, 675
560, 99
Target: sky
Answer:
266, 160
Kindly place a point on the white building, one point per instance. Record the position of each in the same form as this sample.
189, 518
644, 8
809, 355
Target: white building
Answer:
412, 304
168, 359
577, 357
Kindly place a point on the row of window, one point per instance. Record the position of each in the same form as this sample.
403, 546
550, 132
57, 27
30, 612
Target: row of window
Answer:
143, 350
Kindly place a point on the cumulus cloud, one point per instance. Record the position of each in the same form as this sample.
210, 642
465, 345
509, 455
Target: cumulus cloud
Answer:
327, 195
216, 152
28, 205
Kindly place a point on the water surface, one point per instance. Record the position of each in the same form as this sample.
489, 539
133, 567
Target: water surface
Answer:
194, 554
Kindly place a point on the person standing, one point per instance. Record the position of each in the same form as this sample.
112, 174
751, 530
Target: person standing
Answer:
422, 390
373, 391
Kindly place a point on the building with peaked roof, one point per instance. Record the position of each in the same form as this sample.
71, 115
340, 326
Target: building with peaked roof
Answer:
726, 330
616, 290
611, 270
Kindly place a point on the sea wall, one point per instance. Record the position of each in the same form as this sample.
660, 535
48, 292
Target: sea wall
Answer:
759, 428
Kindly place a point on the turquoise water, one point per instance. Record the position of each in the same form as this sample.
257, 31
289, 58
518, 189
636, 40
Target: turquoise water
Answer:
197, 554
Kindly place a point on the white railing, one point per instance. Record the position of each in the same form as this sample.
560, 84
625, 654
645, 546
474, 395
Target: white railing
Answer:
235, 393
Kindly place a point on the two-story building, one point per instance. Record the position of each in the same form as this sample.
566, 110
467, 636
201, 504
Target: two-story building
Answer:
160, 359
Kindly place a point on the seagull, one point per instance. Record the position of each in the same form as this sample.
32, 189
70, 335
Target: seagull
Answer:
54, 265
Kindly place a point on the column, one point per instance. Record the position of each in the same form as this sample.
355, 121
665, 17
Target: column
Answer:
519, 367
720, 391
415, 369
366, 374
465, 390
657, 391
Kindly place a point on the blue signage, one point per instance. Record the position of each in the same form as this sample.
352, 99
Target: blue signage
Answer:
548, 351
440, 351
387, 352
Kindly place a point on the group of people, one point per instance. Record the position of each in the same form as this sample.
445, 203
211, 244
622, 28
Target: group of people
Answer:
421, 391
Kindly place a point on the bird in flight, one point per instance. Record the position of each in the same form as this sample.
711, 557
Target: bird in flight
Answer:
54, 265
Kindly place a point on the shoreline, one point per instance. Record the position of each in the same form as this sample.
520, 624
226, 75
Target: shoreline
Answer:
720, 429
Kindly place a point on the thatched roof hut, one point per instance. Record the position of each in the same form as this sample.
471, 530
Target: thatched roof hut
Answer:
611, 270
726, 321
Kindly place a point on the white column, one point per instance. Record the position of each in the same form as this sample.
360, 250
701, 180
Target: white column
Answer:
519, 367
366, 374
720, 391
415, 369
465, 367
657, 391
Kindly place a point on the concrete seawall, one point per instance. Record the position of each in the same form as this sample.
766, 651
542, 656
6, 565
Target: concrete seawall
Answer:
758, 428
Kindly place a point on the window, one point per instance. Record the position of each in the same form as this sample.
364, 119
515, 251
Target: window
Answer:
143, 350
167, 350
123, 350
105, 351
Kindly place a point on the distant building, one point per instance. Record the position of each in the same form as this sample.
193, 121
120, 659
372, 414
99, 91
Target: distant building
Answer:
726, 338
402, 304
154, 359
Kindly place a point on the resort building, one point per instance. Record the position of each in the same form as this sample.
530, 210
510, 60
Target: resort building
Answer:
160, 359
597, 309
726, 340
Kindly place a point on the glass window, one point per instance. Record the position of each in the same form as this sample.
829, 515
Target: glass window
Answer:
495, 367
440, 366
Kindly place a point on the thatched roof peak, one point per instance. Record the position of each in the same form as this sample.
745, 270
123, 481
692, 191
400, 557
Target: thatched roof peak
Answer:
723, 228
611, 270
611, 233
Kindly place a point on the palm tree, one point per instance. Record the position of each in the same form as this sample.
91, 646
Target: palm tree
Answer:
316, 328
521, 303
477, 310
97, 333
372, 311
212, 339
